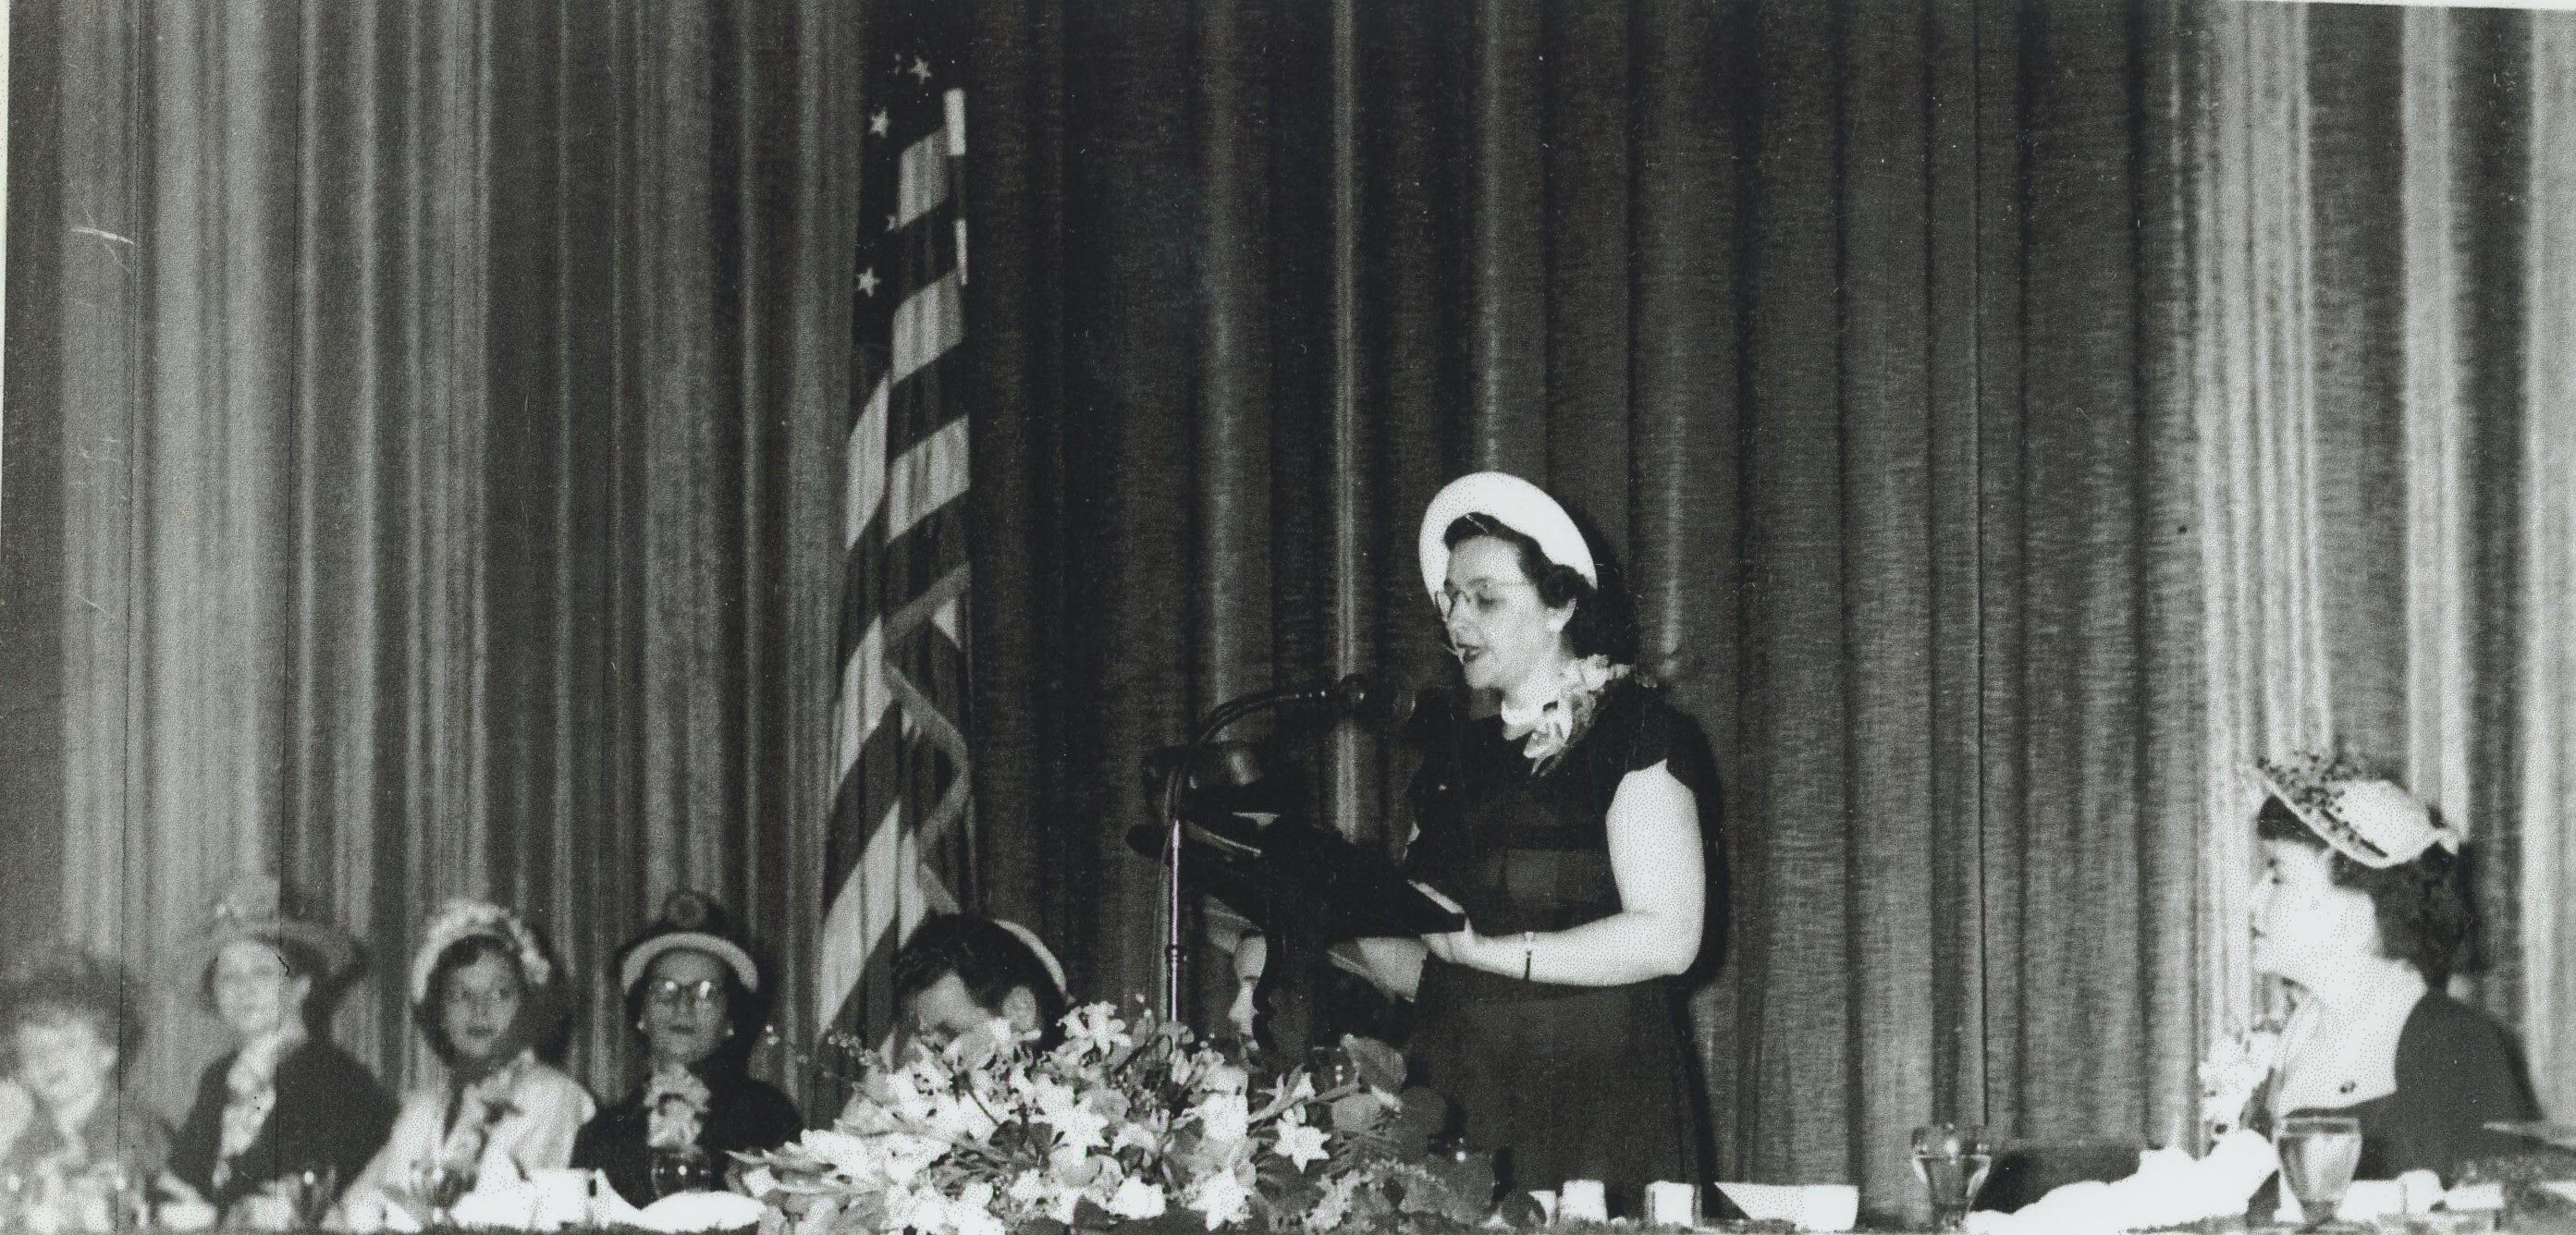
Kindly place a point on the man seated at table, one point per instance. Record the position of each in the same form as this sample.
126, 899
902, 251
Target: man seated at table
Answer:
959, 974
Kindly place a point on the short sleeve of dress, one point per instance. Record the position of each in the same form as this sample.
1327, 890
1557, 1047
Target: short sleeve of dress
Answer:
1670, 737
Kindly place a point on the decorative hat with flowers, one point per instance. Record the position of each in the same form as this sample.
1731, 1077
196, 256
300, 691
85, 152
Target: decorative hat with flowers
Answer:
2364, 817
460, 919
1120, 1124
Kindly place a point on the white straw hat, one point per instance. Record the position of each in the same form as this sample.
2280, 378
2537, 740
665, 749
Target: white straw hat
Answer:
2365, 818
1516, 504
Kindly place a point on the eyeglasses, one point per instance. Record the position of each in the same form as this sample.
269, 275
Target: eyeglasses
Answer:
1481, 597
672, 992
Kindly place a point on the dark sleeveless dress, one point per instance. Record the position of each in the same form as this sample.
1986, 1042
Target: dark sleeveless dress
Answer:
1560, 1082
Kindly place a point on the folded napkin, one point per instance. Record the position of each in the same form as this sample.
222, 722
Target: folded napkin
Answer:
700, 1211
508, 1205
1810, 1207
2170, 1188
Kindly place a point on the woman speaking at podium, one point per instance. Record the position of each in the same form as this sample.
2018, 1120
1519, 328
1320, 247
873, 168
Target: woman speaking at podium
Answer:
1568, 829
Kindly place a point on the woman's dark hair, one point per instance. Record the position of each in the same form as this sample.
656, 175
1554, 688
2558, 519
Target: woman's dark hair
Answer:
65, 984
301, 961
2422, 906
544, 1023
987, 959
745, 1010
1605, 619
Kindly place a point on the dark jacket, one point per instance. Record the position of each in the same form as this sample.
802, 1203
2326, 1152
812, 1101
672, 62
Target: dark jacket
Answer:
742, 1114
330, 1112
2457, 1070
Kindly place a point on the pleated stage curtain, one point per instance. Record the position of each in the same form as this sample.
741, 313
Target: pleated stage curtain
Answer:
2013, 417
447, 493
2383, 392
1853, 328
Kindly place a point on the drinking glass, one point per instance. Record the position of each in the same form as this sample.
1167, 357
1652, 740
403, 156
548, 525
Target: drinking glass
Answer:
682, 1170
439, 1186
1952, 1161
2318, 1156
309, 1193
1330, 1069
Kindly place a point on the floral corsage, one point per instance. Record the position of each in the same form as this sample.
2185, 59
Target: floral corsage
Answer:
675, 1109
1554, 725
2233, 1074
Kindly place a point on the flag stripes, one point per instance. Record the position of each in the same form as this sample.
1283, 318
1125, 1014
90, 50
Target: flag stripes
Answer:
900, 803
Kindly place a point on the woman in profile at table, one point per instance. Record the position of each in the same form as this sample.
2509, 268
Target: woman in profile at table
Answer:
2363, 909
693, 993
1568, 829
486, 996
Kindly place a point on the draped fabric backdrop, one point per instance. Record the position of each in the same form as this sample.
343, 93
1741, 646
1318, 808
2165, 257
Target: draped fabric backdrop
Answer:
1857, 330
2383, 391
2015, 417
449, 398
2011, 415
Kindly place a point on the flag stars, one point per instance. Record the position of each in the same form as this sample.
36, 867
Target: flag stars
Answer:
868, 281
879, 123
920, 70
894, 222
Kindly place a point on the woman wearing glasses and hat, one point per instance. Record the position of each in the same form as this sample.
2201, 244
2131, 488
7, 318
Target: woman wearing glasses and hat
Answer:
2363, 909
694, 993
1566, 822
285, 1101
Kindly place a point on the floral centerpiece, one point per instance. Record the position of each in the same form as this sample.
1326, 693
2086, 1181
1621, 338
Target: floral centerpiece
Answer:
2235, 1072
1123, 1124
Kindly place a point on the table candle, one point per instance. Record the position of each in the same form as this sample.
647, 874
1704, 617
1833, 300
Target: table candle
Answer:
1581, 1200
1672, 1204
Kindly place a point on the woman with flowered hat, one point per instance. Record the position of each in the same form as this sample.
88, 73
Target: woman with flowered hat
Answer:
694, 994
285, 1101
487, 996
76, 1151
2363, 910
1565, 817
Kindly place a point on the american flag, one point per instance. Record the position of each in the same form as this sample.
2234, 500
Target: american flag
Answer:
900, 811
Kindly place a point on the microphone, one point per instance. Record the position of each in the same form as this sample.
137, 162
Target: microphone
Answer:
1177, 770
1381, 704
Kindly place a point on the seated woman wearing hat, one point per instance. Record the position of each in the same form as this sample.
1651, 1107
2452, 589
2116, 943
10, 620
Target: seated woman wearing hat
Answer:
285, 1101
77, 1152
485, 996
694, 994
2363, 908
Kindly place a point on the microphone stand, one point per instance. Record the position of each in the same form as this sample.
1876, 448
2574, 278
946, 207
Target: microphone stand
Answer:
1348, 691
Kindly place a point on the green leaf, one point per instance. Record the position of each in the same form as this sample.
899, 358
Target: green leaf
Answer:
1357, 1112
1425, 1113
1379, 1064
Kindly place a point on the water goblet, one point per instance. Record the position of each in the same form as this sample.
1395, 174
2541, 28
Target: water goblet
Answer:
2318, 1156
1330, 1069
682, 1169
309, 1194
1952, 1161
440, 1186
128, 1204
